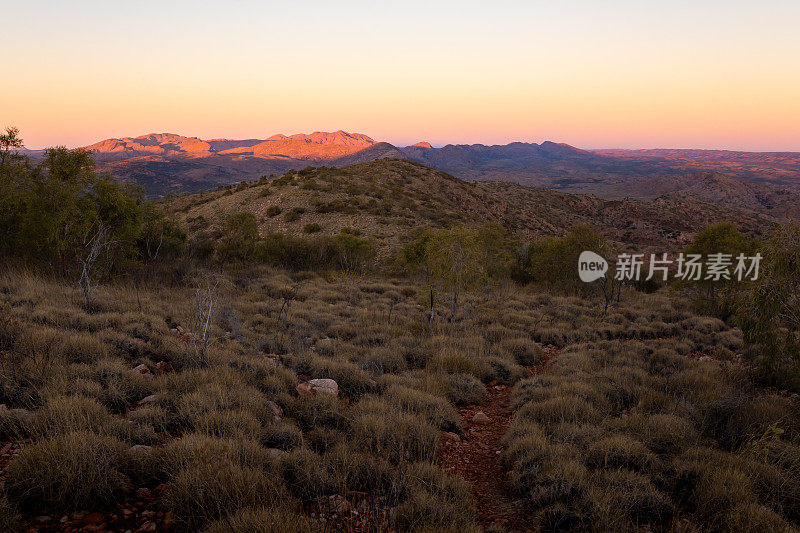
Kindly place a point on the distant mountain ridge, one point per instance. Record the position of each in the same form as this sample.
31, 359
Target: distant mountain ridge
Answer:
165, 163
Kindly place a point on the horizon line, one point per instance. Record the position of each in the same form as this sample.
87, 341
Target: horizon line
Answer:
434, 145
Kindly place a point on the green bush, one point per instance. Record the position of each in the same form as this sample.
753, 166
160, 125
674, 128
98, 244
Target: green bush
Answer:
551, 261
294, 214
49, 209
312, 228
273, 211
239, 238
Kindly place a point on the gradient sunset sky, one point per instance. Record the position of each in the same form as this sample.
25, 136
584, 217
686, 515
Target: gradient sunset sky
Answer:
627, 74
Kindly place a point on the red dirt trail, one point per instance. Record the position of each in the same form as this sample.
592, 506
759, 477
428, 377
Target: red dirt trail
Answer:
476, 458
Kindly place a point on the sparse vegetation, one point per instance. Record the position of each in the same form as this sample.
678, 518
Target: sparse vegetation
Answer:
252, 374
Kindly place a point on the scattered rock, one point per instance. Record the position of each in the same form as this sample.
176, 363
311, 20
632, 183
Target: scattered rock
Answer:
480, 418
272, 358
340, 506
148, 526
141, 448
179, 330
147, 400
305, 389
449, 436
325, 385
163, 367
143, 492
275, 453
93, 518
43, 519
275, 409
706, 358
143, 371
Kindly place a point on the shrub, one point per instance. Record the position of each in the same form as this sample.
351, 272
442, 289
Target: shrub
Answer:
9, 518
82, 348
551, 261
626, 500
69, 472
273, 211
306, 475
399, 437
194, 450
294, 214
216, 489
619, 451
284, 436
263, 520
65, 414
11, 426
312, 228
524, 351
434, 501
239, 238
435, 410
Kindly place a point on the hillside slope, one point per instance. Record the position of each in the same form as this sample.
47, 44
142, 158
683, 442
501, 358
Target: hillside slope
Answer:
389, 198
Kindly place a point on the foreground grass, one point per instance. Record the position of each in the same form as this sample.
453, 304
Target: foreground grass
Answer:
622, 431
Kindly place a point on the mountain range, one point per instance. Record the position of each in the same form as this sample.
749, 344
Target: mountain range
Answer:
165, 163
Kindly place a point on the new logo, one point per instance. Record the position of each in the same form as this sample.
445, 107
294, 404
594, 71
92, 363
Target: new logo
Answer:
591, 266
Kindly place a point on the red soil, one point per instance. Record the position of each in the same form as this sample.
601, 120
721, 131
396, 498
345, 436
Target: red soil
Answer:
476, 458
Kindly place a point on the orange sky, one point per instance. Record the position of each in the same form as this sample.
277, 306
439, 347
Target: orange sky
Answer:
612, 74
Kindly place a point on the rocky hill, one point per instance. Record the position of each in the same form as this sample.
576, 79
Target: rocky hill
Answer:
388, 198
165, 162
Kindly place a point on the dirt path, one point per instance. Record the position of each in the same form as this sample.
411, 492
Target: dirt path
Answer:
476, 458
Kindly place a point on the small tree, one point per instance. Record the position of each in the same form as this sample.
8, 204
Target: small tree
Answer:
98, 244
769, 313
457, 263
206, 286
239, 237
553, 261
717, 297
10, 141
451, 261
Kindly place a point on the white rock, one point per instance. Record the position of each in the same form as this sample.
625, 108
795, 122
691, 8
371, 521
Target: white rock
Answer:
141, 369
480, 418
326, 385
